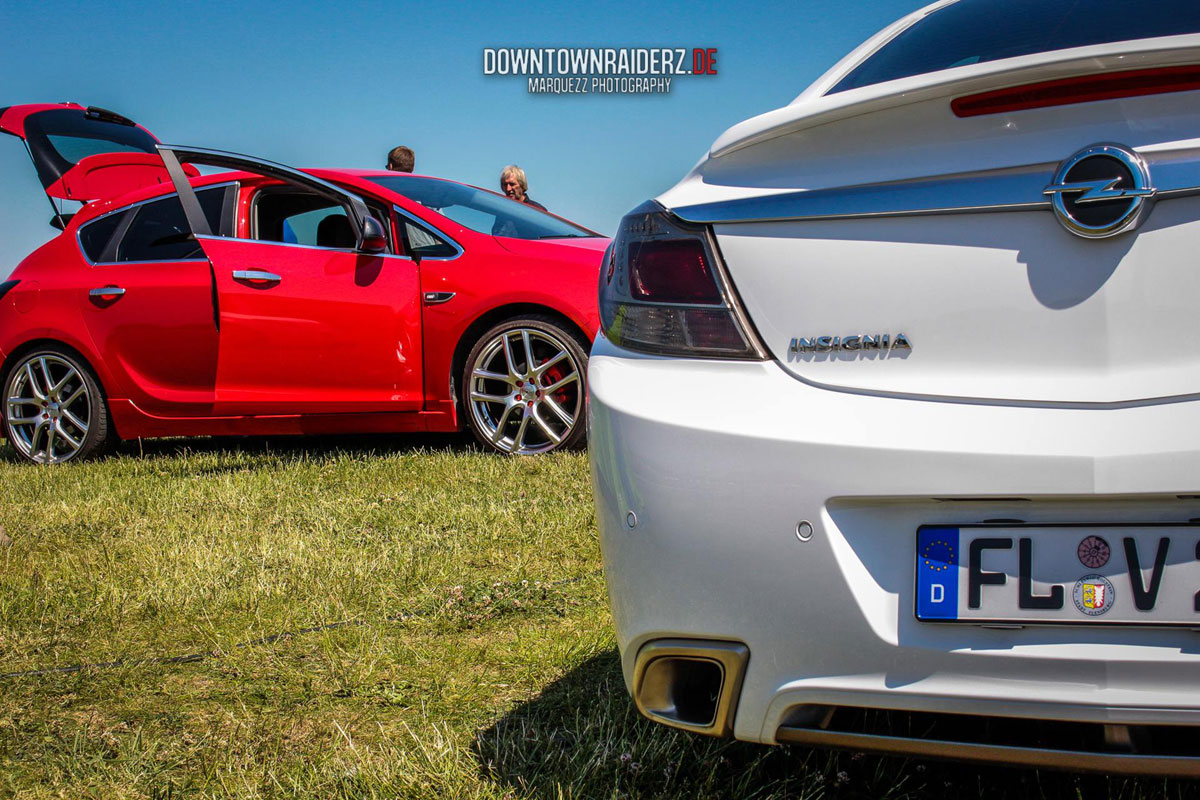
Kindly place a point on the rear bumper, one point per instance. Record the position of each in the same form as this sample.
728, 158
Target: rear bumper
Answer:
702, 471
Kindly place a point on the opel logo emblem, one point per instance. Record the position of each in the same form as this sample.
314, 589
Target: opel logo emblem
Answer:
1102, 190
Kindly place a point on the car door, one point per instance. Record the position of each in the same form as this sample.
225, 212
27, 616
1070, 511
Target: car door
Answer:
309, 326
147, 297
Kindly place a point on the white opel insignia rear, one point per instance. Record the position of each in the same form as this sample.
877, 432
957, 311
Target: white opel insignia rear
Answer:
895, 421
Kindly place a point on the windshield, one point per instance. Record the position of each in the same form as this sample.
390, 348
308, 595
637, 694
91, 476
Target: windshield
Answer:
480, 210
975, 31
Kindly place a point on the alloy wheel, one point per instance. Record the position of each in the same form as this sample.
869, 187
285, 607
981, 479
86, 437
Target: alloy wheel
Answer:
525, 391
48, 409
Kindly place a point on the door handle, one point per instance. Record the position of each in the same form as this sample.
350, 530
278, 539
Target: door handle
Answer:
255, 275
107, 292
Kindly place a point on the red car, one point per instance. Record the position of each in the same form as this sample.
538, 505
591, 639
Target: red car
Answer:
269, 300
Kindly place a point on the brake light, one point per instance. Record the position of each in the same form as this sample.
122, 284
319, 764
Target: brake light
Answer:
671, 271
1082, 89
663, 290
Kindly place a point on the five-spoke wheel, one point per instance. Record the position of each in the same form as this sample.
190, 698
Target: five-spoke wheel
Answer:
525, 387
53, 407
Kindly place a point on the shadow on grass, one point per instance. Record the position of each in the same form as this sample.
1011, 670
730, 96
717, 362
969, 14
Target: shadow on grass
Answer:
583, 738
314, 446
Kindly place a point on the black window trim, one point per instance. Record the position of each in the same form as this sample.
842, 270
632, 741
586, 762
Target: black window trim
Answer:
434, 230
123, 227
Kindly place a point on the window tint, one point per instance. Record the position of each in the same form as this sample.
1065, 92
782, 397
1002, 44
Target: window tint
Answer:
422, 243
975, 31
58, 138
481, 211
77, 148
95, 236
158, 230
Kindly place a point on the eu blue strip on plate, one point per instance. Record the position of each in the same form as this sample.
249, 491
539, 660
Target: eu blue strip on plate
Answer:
937, 573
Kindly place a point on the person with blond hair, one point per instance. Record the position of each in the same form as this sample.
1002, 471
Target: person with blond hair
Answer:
514, 185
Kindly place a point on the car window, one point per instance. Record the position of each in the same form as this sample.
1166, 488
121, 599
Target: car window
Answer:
420, 242
75, 148
292, 216
481, 211
155, 231
975, 31
95, 236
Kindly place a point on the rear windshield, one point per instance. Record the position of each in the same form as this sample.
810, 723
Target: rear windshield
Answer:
482, 211
974, 31
60, 138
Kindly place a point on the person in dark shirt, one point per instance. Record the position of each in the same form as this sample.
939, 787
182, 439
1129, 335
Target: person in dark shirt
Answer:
514, 184
401, 159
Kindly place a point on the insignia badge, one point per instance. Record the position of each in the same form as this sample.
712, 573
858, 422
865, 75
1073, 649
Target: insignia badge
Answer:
1101, 191
1094, 595
1093, 552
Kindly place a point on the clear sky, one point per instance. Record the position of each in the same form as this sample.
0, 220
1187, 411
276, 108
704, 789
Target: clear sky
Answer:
315, 84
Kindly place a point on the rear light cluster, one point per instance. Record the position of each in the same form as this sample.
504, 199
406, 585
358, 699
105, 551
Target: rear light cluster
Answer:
663, 290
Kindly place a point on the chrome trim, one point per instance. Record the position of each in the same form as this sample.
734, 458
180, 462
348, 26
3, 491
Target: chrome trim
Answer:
122, 209
434, 229
106, 291
734, 300
256, 275
1074, 760
436, 298
1012, 189
1139, 195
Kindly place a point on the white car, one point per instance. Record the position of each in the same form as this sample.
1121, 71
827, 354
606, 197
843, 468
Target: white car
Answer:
897, 403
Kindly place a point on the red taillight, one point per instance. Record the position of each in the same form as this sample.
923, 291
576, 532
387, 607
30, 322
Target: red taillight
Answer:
671, 271
665, 291
1084, 89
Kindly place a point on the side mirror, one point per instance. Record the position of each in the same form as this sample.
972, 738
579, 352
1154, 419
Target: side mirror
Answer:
373, 238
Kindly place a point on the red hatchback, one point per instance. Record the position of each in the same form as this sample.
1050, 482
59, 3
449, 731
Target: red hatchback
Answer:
264, 299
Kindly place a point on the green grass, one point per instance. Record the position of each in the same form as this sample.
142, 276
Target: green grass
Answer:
366, 618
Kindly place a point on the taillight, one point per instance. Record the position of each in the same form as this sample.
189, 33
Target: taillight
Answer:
663, 290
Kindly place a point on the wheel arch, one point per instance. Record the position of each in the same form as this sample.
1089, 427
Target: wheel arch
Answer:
490, 319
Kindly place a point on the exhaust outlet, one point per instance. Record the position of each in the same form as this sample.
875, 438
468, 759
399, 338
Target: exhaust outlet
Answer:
690, 684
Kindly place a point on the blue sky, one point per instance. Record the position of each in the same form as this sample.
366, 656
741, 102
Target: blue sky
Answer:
338, 84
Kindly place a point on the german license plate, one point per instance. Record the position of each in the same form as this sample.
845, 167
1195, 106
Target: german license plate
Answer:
1066, 574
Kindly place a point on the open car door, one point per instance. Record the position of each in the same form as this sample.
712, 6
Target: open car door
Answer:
306, 327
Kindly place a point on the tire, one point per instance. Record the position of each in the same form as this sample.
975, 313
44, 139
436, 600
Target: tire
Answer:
525, 387
54, 408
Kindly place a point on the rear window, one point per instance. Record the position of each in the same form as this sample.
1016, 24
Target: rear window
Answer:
975, 31
60, 138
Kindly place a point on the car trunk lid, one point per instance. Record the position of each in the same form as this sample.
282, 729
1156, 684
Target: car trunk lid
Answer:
83, 153
903, 219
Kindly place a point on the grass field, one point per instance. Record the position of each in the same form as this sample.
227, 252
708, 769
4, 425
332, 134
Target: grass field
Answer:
367, 618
